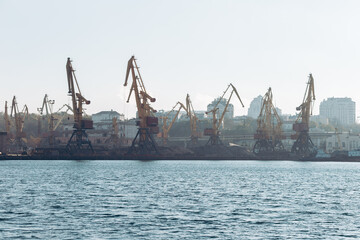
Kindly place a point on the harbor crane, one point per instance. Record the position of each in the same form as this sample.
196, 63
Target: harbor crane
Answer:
165, 128
303, 146
214, 132
19, 117
47, 107
59, 121
79, 140
193, 121
143, 142
269, 132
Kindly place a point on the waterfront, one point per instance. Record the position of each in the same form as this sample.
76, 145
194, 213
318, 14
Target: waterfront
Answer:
179, 200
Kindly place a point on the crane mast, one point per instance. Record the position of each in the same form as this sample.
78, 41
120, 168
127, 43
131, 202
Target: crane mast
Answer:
48, 107
79, 140
193, 121
165, 128
214, 132
143, 142
19, 118
303, 146
269, 132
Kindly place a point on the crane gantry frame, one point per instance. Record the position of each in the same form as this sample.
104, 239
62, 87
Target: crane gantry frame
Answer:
143, 143
303, 146
269, 132
214, 132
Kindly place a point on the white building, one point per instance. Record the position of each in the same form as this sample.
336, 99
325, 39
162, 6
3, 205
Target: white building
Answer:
342, 141
222, 104
338, 110
255, 107
107, 116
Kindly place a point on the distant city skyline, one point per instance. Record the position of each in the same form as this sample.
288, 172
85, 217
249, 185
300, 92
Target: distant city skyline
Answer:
182, 47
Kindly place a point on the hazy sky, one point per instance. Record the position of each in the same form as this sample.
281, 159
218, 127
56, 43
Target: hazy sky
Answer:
194, 47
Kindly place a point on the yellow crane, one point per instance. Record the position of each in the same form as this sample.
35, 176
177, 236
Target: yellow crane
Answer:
143, 142
79, 140
47, 107
303, 146
193, 121
269, 132
19, 119
165, 128
214, 132
59, 121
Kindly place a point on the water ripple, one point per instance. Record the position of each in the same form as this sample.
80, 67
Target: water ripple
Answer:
178, 200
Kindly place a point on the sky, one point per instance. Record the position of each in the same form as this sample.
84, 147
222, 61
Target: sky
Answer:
182, 47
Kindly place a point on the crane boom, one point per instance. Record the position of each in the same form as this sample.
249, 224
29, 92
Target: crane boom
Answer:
214, 131
143, 142
269, 132
193, 120
81, 140
166, 128
303, 146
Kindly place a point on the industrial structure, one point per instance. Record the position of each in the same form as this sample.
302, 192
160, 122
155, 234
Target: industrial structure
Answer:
143, 142
303, 145
214, 132
269, 132
195, 134
19, 119
73, 136
166, 128
79, 141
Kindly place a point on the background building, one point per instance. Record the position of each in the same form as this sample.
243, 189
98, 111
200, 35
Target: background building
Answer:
255, 107
338, 110
222, 104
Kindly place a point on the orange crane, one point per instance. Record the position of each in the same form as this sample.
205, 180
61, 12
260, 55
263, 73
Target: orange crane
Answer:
48, 107
193, 121
303, 146
143, 142
165, 128
269, 132
214, 132
79, 140
19, 117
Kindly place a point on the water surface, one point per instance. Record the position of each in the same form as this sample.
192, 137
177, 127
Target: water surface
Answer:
179, 200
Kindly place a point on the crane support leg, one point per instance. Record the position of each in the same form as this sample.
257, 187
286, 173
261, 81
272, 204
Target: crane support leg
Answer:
303, 146
79, 142
143, 143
